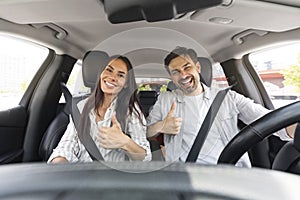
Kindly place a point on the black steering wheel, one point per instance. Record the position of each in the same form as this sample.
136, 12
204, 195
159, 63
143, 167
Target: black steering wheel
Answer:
259, 130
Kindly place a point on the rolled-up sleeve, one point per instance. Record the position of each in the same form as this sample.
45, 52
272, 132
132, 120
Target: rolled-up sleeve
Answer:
137, 131
250, 111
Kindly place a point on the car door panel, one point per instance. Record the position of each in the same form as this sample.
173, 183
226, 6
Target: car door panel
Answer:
12, 130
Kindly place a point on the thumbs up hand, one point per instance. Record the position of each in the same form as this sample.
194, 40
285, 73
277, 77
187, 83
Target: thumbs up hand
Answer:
171, 124
112, 137
115, 122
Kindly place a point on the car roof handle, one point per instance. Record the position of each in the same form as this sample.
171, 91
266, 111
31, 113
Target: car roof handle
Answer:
237, 39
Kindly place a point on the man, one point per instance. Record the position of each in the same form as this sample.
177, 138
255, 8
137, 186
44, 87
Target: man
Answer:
180, 114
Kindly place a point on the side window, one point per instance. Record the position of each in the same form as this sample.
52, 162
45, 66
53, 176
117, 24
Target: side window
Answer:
219, 78
75, 82
19, 61
279, 69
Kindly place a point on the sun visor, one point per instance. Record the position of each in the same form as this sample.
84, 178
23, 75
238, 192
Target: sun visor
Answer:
121, 11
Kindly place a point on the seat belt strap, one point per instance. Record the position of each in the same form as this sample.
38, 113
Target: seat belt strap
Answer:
206, 125
84, 137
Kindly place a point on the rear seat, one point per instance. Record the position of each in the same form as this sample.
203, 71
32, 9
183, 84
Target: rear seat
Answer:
147, 100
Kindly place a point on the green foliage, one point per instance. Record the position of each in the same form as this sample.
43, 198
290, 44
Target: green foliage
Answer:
24, 86
144, 87
292, 75
163, 88
147, 87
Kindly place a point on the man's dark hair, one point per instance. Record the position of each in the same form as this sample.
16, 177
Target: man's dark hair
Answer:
180, 51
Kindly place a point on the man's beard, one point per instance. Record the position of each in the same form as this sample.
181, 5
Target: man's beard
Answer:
188, 87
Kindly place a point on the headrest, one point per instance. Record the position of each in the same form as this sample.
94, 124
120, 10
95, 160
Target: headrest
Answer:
206, 71
148, 94
171, 86
91, 63
205, 75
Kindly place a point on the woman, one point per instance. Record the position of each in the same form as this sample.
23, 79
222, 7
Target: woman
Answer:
113, 118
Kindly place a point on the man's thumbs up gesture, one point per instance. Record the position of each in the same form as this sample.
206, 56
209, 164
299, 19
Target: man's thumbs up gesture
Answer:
171, 124
112, 137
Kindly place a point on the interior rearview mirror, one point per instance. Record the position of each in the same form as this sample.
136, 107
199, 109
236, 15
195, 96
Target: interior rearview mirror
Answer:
121, 11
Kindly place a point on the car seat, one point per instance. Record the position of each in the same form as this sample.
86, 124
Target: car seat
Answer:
59, 124
288, 158
57, 127
147, 100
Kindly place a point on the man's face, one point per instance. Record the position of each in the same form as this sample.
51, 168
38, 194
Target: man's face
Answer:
185, 74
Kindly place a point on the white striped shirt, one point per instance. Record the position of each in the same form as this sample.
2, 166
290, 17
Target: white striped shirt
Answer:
73, 150
193, 109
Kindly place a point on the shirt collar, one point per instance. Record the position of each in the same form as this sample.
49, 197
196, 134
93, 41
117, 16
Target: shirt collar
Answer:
206, 92
110, 108
180, 95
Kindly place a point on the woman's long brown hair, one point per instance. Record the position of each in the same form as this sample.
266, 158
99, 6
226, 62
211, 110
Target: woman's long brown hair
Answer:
127, 100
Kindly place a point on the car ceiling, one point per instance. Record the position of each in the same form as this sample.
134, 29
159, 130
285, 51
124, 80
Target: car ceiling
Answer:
76, 26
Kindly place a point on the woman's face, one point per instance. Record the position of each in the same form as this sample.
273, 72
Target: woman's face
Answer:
113, 77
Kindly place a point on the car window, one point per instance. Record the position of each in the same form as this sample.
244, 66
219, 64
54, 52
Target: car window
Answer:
279, 69
219, 78
152, 84
75, 82
19, 61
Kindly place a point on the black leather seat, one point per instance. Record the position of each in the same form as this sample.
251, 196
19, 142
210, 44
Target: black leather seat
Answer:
206, 71
90, 72
147, 100
288, 158
57, 127
90, 67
